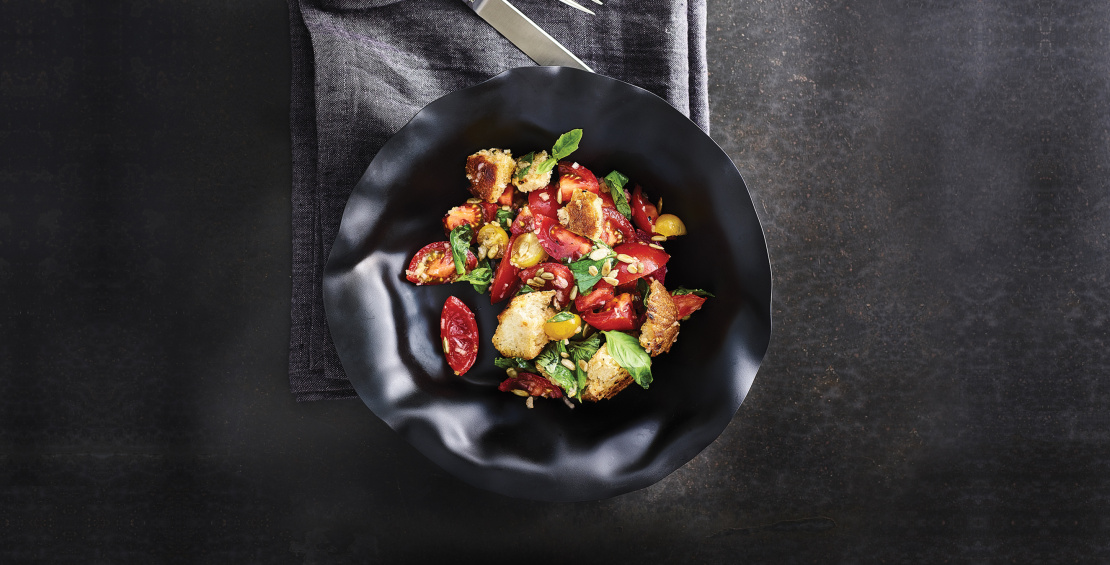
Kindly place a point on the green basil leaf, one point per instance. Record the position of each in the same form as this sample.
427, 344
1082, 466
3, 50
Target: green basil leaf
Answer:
524, 289
695, 291
581, 269
644, 288
515, 363
561, 317
546, 166
480, 278
505, 218
550, 360
460, 243
583, 351
616, 182
526, 159
566, 144
628, 353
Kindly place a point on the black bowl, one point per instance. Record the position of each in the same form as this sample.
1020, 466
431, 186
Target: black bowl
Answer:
386, 330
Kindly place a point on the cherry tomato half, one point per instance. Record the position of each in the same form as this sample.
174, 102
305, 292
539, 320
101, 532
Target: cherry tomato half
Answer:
573, 178
644, 213
687, 304
459, 331
562, 280
506, 198
433, 264
524, 221
543, 201
601, 294
531, 384
505, 281
472, 214
560, 242
647, 260
615, 228
617, 314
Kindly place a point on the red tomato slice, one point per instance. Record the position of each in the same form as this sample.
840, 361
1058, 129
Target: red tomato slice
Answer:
472, 214
601, 294
687, 304
644, 212
616, 229
489, 211
573, 178
543, 201
459, 331
433, 264
533, 384
617, 314
562, 283
558, 241
648, 258
506, 198
523, 221
659, 274
505, 281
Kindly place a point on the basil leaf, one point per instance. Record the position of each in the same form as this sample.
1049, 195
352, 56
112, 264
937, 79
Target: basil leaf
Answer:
515, 363
644, 288
460, 244
626, 351
564, 146
480, 278
581, 269
525, 159
524, 289
505, 218
550, 361
695, 291
583, 351
561, 317
616, 182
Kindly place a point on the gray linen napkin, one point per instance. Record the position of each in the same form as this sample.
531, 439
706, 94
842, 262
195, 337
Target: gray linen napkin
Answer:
362, 69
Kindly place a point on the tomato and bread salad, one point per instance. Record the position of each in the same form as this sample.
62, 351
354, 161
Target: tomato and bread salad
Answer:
581, 261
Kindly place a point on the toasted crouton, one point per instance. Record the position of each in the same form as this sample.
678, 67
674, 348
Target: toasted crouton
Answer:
531, 179
489, 172
520, 326
604, 377
661, 327
583, 215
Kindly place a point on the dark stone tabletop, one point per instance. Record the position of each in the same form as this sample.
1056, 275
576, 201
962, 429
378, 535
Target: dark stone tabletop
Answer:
930, 178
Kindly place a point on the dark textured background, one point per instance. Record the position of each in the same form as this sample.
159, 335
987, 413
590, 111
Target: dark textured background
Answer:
931, 178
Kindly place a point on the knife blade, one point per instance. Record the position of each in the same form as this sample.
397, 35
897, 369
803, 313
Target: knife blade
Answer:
525, 34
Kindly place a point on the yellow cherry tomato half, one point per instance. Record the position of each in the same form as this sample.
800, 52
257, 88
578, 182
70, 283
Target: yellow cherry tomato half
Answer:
527, 251
492, 241
563, 329
669, 225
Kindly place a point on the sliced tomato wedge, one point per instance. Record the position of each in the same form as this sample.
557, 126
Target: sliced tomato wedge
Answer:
615, 228
659, 274
523, 221
505, 281
644, 212
562, 283
459, 331
433, 264
558, 241
601, 294
472, 214
573, 178
617, 314
687, 304
531, 383
648, 260
543, 201
489, 211
506, 198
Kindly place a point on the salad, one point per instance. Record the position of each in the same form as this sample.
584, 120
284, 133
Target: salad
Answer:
580, 260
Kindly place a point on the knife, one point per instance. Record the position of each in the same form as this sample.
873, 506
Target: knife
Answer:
525, 34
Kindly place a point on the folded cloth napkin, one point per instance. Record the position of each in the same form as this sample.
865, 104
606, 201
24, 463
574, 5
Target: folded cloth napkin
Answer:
363, 68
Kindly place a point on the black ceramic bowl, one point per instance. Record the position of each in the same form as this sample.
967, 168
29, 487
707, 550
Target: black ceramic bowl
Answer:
386, 330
